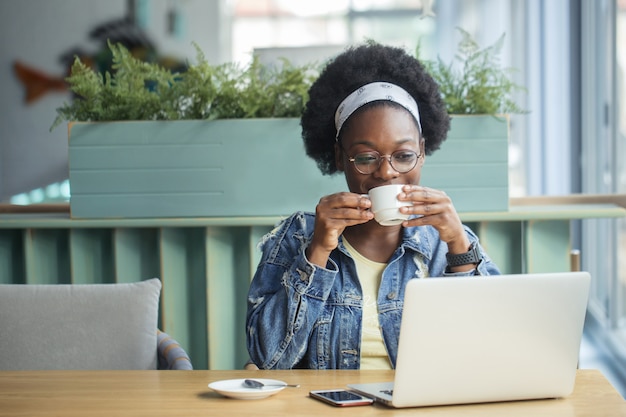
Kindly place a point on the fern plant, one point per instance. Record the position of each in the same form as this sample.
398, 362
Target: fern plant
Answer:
138, 90
480, 85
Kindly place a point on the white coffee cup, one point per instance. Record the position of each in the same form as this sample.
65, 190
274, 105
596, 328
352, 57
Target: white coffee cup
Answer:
385, 204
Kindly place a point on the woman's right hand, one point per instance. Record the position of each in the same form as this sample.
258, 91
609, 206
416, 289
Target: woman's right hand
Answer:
333, 214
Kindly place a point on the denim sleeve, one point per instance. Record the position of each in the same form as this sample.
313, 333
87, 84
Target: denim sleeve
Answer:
285, 297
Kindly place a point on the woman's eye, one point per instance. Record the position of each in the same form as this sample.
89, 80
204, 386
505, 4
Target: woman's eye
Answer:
404, 156
365, 158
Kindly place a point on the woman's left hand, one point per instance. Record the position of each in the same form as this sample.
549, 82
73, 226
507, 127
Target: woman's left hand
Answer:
436, 209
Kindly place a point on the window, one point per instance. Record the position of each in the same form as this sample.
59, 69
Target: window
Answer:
620, 153
572, 59
313, 31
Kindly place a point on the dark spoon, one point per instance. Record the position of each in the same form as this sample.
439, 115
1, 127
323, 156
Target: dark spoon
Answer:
252, 383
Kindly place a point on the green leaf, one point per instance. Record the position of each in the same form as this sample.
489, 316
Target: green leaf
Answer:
137, 90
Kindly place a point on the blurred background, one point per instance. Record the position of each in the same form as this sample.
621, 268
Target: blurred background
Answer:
569, 54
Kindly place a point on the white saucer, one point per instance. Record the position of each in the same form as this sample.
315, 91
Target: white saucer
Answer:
234, 388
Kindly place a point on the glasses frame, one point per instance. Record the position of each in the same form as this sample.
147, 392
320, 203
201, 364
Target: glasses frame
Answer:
389, 158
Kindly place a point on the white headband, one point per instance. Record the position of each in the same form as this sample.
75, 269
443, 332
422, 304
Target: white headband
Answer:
375, 92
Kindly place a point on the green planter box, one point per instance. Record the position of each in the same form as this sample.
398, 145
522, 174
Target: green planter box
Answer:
252, 167
472, 166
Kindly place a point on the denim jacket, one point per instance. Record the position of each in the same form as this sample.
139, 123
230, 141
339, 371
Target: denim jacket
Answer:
303, 316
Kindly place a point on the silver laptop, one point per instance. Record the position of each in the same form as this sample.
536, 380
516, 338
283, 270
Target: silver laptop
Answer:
487, 339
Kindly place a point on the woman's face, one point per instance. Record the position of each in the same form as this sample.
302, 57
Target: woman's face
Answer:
384, 129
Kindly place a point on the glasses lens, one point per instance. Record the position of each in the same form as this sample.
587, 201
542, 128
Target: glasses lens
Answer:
403, 161
367, 162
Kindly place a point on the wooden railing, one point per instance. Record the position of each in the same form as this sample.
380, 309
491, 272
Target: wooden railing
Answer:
205, 264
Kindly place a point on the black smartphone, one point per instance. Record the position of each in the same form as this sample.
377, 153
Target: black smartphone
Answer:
341, 397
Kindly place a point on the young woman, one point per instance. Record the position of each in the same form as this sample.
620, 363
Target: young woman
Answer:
329, 288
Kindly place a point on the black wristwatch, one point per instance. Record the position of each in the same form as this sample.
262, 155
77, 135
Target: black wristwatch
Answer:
472, 256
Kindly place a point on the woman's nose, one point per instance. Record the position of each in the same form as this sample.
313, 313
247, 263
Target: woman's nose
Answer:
385, 170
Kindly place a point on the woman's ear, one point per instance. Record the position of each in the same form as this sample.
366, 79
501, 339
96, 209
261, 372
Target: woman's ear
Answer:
339, 158
422, 153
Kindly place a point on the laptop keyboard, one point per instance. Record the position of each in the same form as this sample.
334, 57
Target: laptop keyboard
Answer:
387, 391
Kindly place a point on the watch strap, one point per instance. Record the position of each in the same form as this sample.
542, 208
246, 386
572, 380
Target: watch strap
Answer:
472, 256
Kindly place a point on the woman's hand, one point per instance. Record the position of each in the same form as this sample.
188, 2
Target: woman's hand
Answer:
437, 210
333, 214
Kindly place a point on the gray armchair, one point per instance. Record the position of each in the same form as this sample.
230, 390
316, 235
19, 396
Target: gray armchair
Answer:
170, 355
85, 326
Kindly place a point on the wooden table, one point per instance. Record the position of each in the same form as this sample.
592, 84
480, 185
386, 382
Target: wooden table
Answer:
185, 393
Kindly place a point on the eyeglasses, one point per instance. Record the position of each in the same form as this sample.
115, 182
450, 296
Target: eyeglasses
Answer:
368, 162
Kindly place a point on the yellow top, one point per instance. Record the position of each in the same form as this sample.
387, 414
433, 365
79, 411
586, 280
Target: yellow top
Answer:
373, 351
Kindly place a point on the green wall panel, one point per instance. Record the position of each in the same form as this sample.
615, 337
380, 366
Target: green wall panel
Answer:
136, 254
91, 256
205, 264
12, 262
46, 254
548, 246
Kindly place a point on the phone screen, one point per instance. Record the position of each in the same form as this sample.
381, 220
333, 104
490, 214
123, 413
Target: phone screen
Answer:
341, 397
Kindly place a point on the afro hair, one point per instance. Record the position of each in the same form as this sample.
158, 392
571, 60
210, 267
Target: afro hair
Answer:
354, 68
